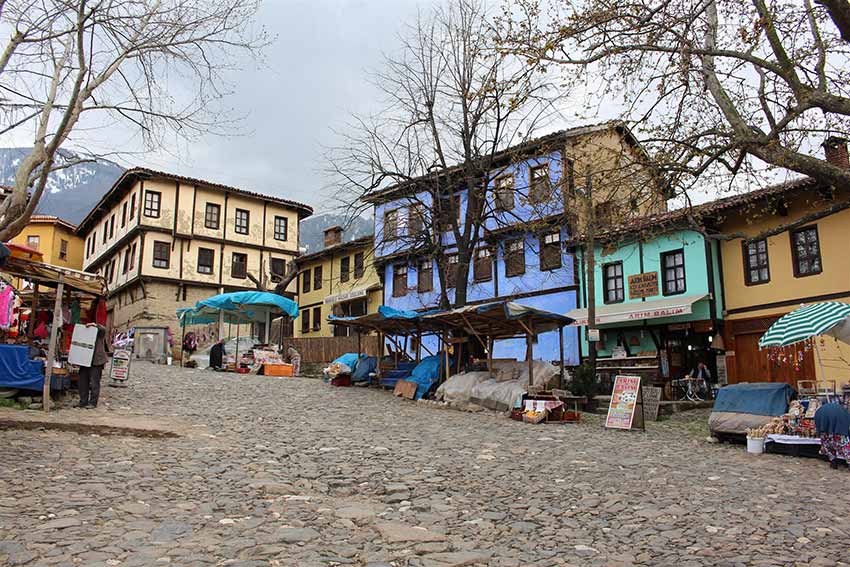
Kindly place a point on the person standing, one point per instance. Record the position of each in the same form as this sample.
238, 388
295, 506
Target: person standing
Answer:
89, 381
217, 355
294, 358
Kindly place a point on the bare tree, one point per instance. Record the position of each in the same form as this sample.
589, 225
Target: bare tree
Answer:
155, 65
452, 105
717, 88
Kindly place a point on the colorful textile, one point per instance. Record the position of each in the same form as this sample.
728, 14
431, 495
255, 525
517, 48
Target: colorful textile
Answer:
40, 331
100, 314
835, 447
7, 302
75, 312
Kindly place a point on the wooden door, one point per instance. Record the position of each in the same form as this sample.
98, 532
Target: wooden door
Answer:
753, 365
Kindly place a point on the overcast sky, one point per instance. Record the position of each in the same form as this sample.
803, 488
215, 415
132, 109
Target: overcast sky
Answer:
314, 78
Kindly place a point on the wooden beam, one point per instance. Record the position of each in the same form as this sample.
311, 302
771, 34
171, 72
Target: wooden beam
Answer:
51, 350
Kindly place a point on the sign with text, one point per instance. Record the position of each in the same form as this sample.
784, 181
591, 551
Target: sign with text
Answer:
82, 345
651, 402
722, 376
643, 285
120, 368
624, 399
347, 296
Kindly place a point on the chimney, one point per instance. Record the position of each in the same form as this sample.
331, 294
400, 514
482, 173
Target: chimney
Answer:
333, 235
835, 149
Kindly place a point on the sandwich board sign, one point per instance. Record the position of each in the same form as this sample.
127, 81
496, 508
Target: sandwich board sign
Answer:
82, 345
119, 370
625, 398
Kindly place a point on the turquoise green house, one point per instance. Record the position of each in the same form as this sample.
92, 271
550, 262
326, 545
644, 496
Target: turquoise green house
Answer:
659, 302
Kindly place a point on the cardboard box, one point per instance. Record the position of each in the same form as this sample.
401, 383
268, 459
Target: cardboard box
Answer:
405, 389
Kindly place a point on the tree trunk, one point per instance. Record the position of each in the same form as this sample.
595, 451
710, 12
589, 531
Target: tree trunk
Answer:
590, 268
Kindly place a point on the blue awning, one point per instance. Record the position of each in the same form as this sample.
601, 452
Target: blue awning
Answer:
238, 307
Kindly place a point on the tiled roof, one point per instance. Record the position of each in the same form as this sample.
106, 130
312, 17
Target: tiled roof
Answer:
363, 240
53, 219
146, 173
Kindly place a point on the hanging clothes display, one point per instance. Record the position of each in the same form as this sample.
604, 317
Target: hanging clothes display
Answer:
100, 313
7, 304
75, 312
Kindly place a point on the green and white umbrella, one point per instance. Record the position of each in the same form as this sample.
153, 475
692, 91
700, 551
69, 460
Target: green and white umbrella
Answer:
828, 318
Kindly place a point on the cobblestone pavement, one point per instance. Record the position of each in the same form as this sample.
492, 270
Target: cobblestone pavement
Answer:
293, 472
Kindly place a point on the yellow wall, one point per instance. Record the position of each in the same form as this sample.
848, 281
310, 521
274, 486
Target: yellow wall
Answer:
331, 285
50, 236
784, 288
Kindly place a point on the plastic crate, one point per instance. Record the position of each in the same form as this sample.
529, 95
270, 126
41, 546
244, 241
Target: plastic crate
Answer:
278, 370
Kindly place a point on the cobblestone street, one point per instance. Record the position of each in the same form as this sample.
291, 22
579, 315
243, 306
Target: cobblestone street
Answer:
292, 472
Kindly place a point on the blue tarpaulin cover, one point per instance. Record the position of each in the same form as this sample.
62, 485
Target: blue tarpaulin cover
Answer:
426, 374
18, 371
349, 359
365, 366
754, 398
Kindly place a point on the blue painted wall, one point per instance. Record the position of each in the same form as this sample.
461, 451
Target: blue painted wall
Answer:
556, 289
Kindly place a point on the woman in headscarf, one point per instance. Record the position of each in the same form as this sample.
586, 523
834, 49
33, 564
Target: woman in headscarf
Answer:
832, 422
294, 358
217, 355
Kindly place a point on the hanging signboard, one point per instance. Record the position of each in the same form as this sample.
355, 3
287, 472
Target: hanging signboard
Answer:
722, 377
625, 398
119, 370
643, 285
82, 345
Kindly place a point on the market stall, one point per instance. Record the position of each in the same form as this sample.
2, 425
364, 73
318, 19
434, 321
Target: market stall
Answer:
240, 308
58, 298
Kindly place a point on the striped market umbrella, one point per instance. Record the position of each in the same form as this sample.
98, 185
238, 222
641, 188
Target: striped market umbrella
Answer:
807, 322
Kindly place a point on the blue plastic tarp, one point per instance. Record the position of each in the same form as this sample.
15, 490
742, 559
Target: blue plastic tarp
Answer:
349, 359
426, 374
754, 398
365, 366
18, 371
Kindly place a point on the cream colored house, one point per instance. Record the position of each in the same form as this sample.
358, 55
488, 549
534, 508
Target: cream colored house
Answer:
162, 241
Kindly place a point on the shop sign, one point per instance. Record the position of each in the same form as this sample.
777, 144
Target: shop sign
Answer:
652, 402
347, 296
643, 285
625, 397
722, 377
658, 313
593, 335
82, 345
119, 370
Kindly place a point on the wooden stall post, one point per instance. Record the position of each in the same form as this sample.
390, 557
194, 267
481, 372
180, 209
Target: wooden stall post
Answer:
418, 343
529, 355
490, 356
268, 327
379, 374
237, 345
182, 341
51, 350
446, 351
561, 352
359, 347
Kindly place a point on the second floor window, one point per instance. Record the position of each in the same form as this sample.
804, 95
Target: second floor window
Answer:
153, 201
756, 264
239, 266
539, 186
358, 265
805, 251
132, 263
425, 276
124, 215
416, 218
344, 268
206, 260
126, 261
612, 280
503, 192
305, 281
317, 277
399, 280
317, 318
132, 205
483, 266
391, 225
673, 272
112, 226
449, 212
33, 242
212, 216
241, 222
277, 266
305, 320
550, 251
452, 262
280, 226
514, 257
161, 254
